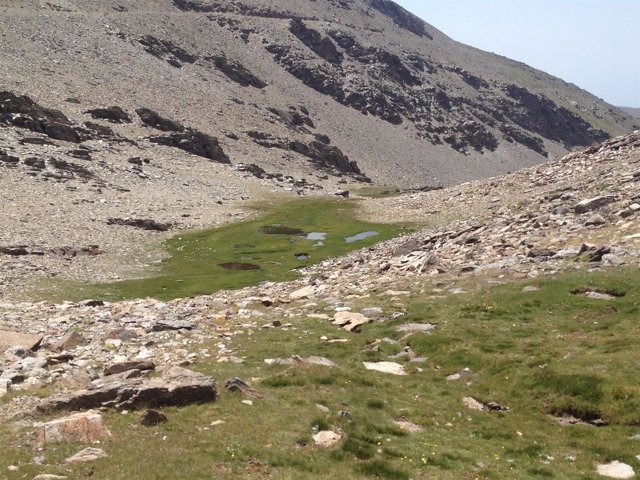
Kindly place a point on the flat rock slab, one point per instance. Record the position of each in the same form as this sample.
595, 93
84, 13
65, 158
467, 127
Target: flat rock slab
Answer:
474, 404
304, 292
406, 426
121, 367
594, 203
298, 360
415, 327
27, 341
177, 387
326, 438
164, 325
350, 321
87, 455
616, 469
385, 367
86, 427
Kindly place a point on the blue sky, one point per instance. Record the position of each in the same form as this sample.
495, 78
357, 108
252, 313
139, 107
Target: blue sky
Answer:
592, 43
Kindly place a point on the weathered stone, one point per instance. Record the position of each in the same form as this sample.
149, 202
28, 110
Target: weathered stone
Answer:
5, 385
69, 341
408, 426
141, 365
49, 476
415, 327
304, 292
152, 417
595, 220
385, 367
141, 223
177, 387
162, 325
298, 360
594, 203
238, 385
83, 427
616, 469
110, 114
27, 341
194, 142
326, 438
154, 120
473, 404
350, 321
89, 454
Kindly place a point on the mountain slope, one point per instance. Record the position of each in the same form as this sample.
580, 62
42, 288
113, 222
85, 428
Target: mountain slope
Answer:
354, 87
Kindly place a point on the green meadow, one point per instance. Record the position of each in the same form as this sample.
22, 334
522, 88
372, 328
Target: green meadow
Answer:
543, 354
269, 248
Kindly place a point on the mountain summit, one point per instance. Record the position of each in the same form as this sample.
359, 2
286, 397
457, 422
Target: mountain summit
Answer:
324, 88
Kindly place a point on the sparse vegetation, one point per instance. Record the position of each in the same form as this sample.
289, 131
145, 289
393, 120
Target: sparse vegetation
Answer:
541, 353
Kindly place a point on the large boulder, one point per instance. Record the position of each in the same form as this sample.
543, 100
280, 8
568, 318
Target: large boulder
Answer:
27, 341
177, 387
86, 427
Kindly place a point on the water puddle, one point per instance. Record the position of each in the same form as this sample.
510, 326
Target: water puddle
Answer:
239, 266
321, 236
360, 236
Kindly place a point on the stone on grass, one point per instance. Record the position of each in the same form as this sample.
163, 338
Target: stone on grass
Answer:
350, 321
385, 367
415, 327
236, 384
298, 360
152, 417
326, 438
49, 476
83, 427
473, 404
406, 426
87, 455
616, 469
177, 387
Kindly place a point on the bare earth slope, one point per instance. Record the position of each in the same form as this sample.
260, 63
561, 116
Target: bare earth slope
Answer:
280, 83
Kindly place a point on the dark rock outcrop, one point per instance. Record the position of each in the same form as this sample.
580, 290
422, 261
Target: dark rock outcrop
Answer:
236, 72
401, 17
540, 115
141, 223
153, 119
167, 51
322, 155
8, 160
110, 114
194, 142
23, 112
319, 44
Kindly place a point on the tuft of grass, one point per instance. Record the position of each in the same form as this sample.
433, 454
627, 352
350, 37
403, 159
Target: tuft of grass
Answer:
380, 469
